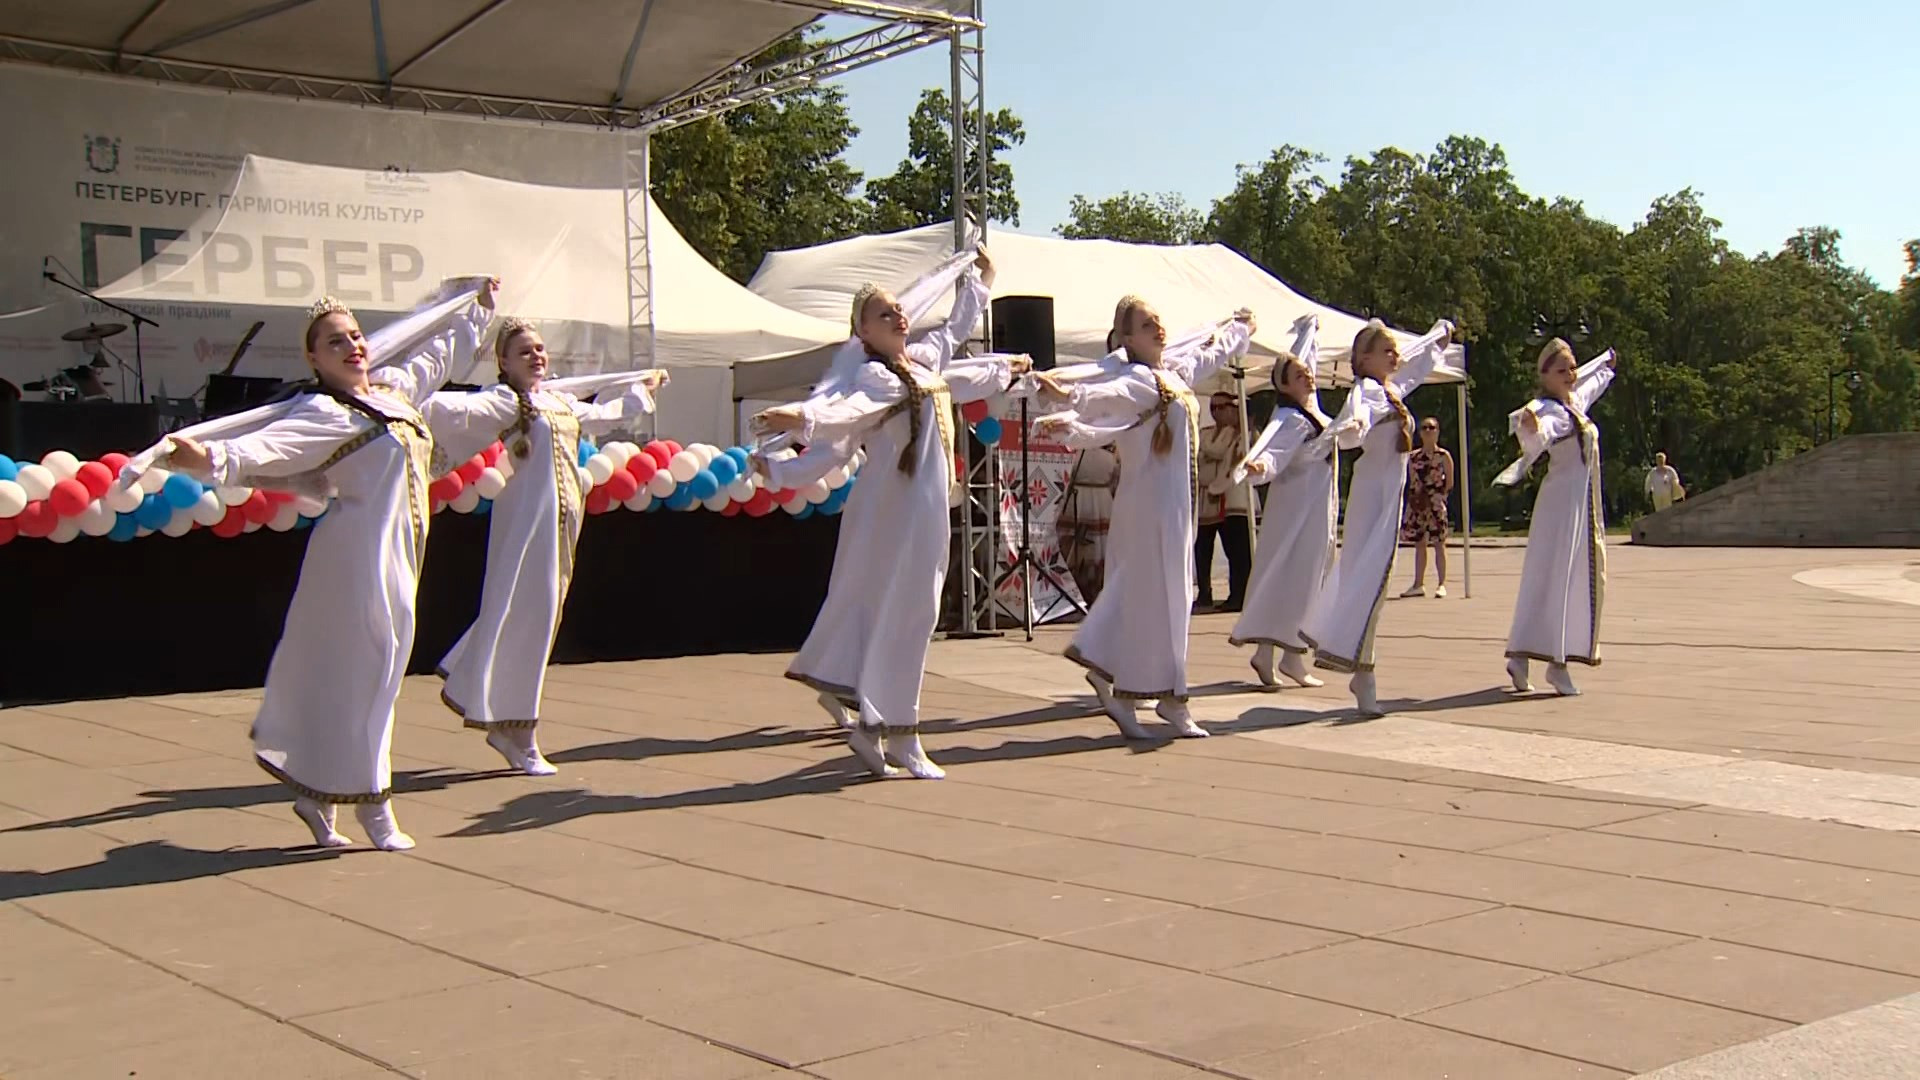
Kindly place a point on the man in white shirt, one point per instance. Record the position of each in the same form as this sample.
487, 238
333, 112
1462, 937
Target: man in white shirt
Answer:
1663, 484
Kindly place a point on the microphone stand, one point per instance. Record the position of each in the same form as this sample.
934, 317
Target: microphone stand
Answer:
1024, 562
139, 361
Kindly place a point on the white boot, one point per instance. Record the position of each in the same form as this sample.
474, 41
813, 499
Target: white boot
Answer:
838, 710
382, 829
1363, 695
525, 758
903, 750
865, 743
1175, 712
1294, 666
1521, 672
1561, 680
1262, 664
1119, 710
318, 817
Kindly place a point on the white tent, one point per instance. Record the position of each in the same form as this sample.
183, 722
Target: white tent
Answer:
287, 232
1191, 285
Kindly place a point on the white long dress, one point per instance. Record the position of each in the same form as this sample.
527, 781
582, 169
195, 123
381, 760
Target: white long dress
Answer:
868, 646
1296, 530
1341, 622
1563, 581
496, 673
325, 726
1135, 635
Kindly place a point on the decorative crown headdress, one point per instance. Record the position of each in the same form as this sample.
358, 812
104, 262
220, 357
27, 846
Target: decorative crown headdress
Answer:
325, 306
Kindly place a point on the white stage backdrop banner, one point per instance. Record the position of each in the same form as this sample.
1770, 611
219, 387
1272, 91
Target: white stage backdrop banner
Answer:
1042, 492
145, 194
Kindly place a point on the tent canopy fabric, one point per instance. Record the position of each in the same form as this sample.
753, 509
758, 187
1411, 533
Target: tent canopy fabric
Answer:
592, 54
1190, 285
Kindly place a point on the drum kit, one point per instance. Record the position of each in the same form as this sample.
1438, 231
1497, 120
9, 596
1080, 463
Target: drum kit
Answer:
64, 385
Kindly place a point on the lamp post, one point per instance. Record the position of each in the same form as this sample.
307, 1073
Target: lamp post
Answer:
1853, 383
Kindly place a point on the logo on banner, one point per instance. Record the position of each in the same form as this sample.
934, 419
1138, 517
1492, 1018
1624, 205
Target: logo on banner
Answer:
103, 153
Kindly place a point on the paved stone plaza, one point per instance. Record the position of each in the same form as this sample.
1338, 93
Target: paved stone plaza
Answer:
1705, 867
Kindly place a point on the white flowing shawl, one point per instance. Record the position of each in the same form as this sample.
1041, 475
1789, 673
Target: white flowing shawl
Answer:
1517, 471
397, 340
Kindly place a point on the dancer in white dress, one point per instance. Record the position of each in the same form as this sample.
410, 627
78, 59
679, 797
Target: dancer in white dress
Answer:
867, 652
1341, 623
1140, 399
1297, 456
325, 727
1556, 617
497, 671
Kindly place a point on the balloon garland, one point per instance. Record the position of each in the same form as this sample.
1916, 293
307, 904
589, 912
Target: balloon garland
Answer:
61, 498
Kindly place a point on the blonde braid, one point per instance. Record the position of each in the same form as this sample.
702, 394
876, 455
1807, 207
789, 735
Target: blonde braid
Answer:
909, 454
516, 435
1162, 432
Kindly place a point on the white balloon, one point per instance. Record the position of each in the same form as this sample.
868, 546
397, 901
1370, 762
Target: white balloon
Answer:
66, 531
718, 502
143, 531
586, 480
36, 480
13, 499
61, 464
617, 453
707, 452
740, 490
661, 485
209, 510
955, 496
490, 484
124, 500
153, 480
252, 526
180, 524
798, 504
467, 501
233, 496
684, 465
600, 467
98, 520
815, 492
640, 501
837, 479
284, 518
309, 506
505, 465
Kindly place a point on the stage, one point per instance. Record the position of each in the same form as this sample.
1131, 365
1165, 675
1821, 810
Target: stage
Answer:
162, 615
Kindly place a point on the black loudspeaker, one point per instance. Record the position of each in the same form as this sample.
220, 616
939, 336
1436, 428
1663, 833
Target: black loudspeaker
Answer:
1024, 324
232, 393
28, 429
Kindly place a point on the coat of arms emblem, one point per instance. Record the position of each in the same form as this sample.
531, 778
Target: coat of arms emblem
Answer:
103, 153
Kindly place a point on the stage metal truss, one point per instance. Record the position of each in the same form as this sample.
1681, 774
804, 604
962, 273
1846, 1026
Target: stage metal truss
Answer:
978, 526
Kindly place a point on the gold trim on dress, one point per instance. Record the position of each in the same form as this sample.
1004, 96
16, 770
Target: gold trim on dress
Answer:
315, 793
1074, 654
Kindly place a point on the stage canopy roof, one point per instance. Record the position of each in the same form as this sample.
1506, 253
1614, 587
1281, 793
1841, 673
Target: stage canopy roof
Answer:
608, 63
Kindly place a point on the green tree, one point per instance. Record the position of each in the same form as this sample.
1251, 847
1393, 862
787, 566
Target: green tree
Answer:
920, 190
1135, 218
763, 177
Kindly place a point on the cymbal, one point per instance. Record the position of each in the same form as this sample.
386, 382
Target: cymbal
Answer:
94, 332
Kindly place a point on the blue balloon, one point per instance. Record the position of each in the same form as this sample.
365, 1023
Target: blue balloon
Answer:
303, 522
834, 502
681, 499
153, 513
805, 513
724, 469
704, 485
124, 528
656, 504
181, 491
742, 458
483, 506
587, 450
987, 431
8, 470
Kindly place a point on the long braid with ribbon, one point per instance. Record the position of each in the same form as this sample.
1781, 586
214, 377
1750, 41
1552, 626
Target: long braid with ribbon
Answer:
916, 394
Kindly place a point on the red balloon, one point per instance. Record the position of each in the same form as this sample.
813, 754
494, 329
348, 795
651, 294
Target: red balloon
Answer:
974, 411
783, 496
599, 501
97, 477
621, 486
258, 508
447, 488
114, 462
658, 451
672, 447
491, 455
642, 467
232, 525
761, 504
37, 521
8, 530
470, 470
278, 497
732, 510
69, 498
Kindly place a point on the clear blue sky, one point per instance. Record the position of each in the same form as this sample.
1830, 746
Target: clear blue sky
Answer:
1781, 115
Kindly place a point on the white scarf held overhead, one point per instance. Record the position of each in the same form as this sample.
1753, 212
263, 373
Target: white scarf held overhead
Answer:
397, 340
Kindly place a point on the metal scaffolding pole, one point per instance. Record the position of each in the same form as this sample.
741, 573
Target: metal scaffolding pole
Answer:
634, 175
977, 528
